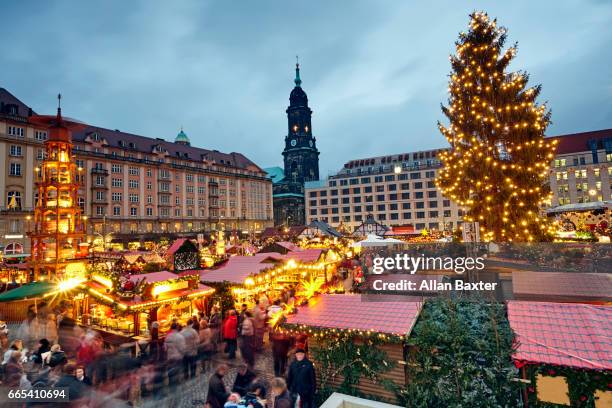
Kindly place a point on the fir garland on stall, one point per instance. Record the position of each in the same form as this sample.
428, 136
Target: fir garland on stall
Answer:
581, 384
351, 357
460, 356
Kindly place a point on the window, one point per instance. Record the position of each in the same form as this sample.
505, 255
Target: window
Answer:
433, 204
345, 200
118, 197
378, 179
357, 208
420, 214
446, 203
100, 196
415, 176
134, 198
100, 180
447, 213
41, 154
15, 169
116, 210
15, 151
200, 190
14, 200
390, 177
393, 207
117, 168
418, 185
356, 199
149, 173
406, 215
367, 189
117, 182
433, 214
189, 177
149, 212
562, 175
13, 248
15, 131
405, 206
133, 171
380, 207
392, 197
133, 211
405, 196
133, 183
40, 135
100, 211
420, 204
149, 199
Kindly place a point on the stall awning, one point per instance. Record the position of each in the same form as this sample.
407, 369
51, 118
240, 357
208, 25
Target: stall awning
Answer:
564, 334
28, 291
590, 206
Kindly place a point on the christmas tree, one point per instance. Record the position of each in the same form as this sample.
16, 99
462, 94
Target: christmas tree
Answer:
498, 162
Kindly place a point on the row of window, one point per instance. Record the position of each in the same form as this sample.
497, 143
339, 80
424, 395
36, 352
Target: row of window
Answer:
419, 195
379, 179
393, 216
370, 189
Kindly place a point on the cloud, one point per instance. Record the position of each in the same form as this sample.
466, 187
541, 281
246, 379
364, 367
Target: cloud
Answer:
375, 72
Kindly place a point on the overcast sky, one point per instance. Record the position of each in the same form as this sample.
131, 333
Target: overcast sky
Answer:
375, 71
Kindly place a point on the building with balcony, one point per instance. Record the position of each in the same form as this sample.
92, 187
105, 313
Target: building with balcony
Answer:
131, 188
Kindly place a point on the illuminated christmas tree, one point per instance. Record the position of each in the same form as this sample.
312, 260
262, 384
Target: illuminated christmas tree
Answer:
498, 161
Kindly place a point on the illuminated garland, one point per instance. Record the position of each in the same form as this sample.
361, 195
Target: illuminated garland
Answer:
336, 333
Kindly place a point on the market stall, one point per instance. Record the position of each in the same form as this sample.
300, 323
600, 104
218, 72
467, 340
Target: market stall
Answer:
248, 277
563, 352
372, 332
128, 305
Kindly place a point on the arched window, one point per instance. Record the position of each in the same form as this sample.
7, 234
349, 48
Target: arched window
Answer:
13, 248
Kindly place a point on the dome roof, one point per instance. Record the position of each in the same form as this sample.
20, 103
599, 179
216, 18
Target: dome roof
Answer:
182, 138
298, 97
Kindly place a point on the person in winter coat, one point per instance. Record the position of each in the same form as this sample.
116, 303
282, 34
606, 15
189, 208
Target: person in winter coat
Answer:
28, 330
281, 396
247, 340
206, 346
230, 334
192, 340
214, 322
301, 379
244, 379
217, 394
259, 318
175, 351
281, 344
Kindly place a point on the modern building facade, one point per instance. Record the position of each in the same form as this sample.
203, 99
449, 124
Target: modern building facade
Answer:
396, 190
132, 188
581, 171
300, 160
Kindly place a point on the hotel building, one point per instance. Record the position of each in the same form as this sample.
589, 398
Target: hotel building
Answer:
396, 190
132, 188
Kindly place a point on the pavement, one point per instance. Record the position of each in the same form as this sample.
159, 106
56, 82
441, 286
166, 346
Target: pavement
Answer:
192, 393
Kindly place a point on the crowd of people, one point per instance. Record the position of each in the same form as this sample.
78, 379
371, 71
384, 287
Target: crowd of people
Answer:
50, 350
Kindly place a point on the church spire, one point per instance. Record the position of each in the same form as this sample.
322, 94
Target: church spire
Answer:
297, 80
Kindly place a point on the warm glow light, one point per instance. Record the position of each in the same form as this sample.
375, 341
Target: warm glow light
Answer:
68, 284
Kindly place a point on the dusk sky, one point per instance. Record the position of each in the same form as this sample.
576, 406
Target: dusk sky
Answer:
375, 71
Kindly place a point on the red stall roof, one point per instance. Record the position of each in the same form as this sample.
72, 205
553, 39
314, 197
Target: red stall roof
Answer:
562, 286
238, 268
565, 334
390, 315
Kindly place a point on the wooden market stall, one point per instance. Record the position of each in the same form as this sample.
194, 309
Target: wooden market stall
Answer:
271, 273
564, 352
183, 255
127, 306
380, 323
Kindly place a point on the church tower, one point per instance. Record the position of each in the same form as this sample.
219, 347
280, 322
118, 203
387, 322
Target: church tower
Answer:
301, 157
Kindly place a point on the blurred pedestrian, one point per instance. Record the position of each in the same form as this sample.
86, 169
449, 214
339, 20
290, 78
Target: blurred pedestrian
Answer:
281, 396
192, 340
217, 393
247, 340
244, 380
230, 334
174, 345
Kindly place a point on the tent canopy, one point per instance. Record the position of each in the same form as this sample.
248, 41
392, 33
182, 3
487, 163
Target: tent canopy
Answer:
29, 291
375, 240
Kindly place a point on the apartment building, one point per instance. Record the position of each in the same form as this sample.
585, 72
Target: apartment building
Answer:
134, 188
581, 171
396, 190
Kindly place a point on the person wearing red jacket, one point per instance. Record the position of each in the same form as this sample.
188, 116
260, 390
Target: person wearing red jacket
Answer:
230, 334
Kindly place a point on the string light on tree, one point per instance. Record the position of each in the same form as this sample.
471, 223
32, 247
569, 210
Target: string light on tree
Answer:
499, 160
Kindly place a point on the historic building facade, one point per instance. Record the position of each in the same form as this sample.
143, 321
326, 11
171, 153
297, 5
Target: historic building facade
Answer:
581, 171
300, 160
132, 188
